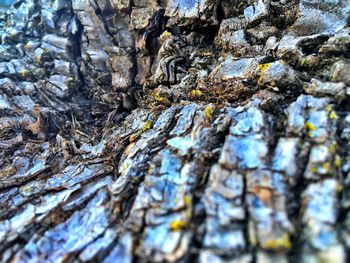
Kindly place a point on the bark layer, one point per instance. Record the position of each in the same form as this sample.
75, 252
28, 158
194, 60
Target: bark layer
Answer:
174, 131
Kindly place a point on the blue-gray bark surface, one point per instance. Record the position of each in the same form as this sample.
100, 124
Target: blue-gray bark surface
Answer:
174, 131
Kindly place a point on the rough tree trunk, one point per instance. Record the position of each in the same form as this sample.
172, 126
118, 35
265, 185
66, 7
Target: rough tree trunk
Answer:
174, 131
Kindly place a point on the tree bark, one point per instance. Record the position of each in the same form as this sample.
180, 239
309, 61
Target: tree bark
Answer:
174, 131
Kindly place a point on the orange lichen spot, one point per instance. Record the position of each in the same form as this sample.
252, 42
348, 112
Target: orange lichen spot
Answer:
282, 243
264, 193
35, 128
177, 225
133, 137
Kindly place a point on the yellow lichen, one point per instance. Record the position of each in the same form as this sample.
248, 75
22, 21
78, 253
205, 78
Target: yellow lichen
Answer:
219, 42
177, 225
187, 200
125, 168
206, 53
36, 59
262, 68
332, 148
313, 169
280, 244
24, 72
209, 112
333, 115
252, 233
27, 46
326, 166
158, 97
27, 189
304, 62
146, 126
265, 66
46, 50
337, 161
328, 108
339, 188
196, 93
309, 127
165, 35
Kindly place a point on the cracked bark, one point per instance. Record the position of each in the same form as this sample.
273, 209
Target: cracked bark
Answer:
174, 131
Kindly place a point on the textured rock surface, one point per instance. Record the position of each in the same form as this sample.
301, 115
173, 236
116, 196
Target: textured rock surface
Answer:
174, 131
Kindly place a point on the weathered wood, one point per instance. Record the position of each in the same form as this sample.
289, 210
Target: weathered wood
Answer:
174, 131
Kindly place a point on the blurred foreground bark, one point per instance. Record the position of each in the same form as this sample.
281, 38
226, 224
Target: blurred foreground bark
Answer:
174, 131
